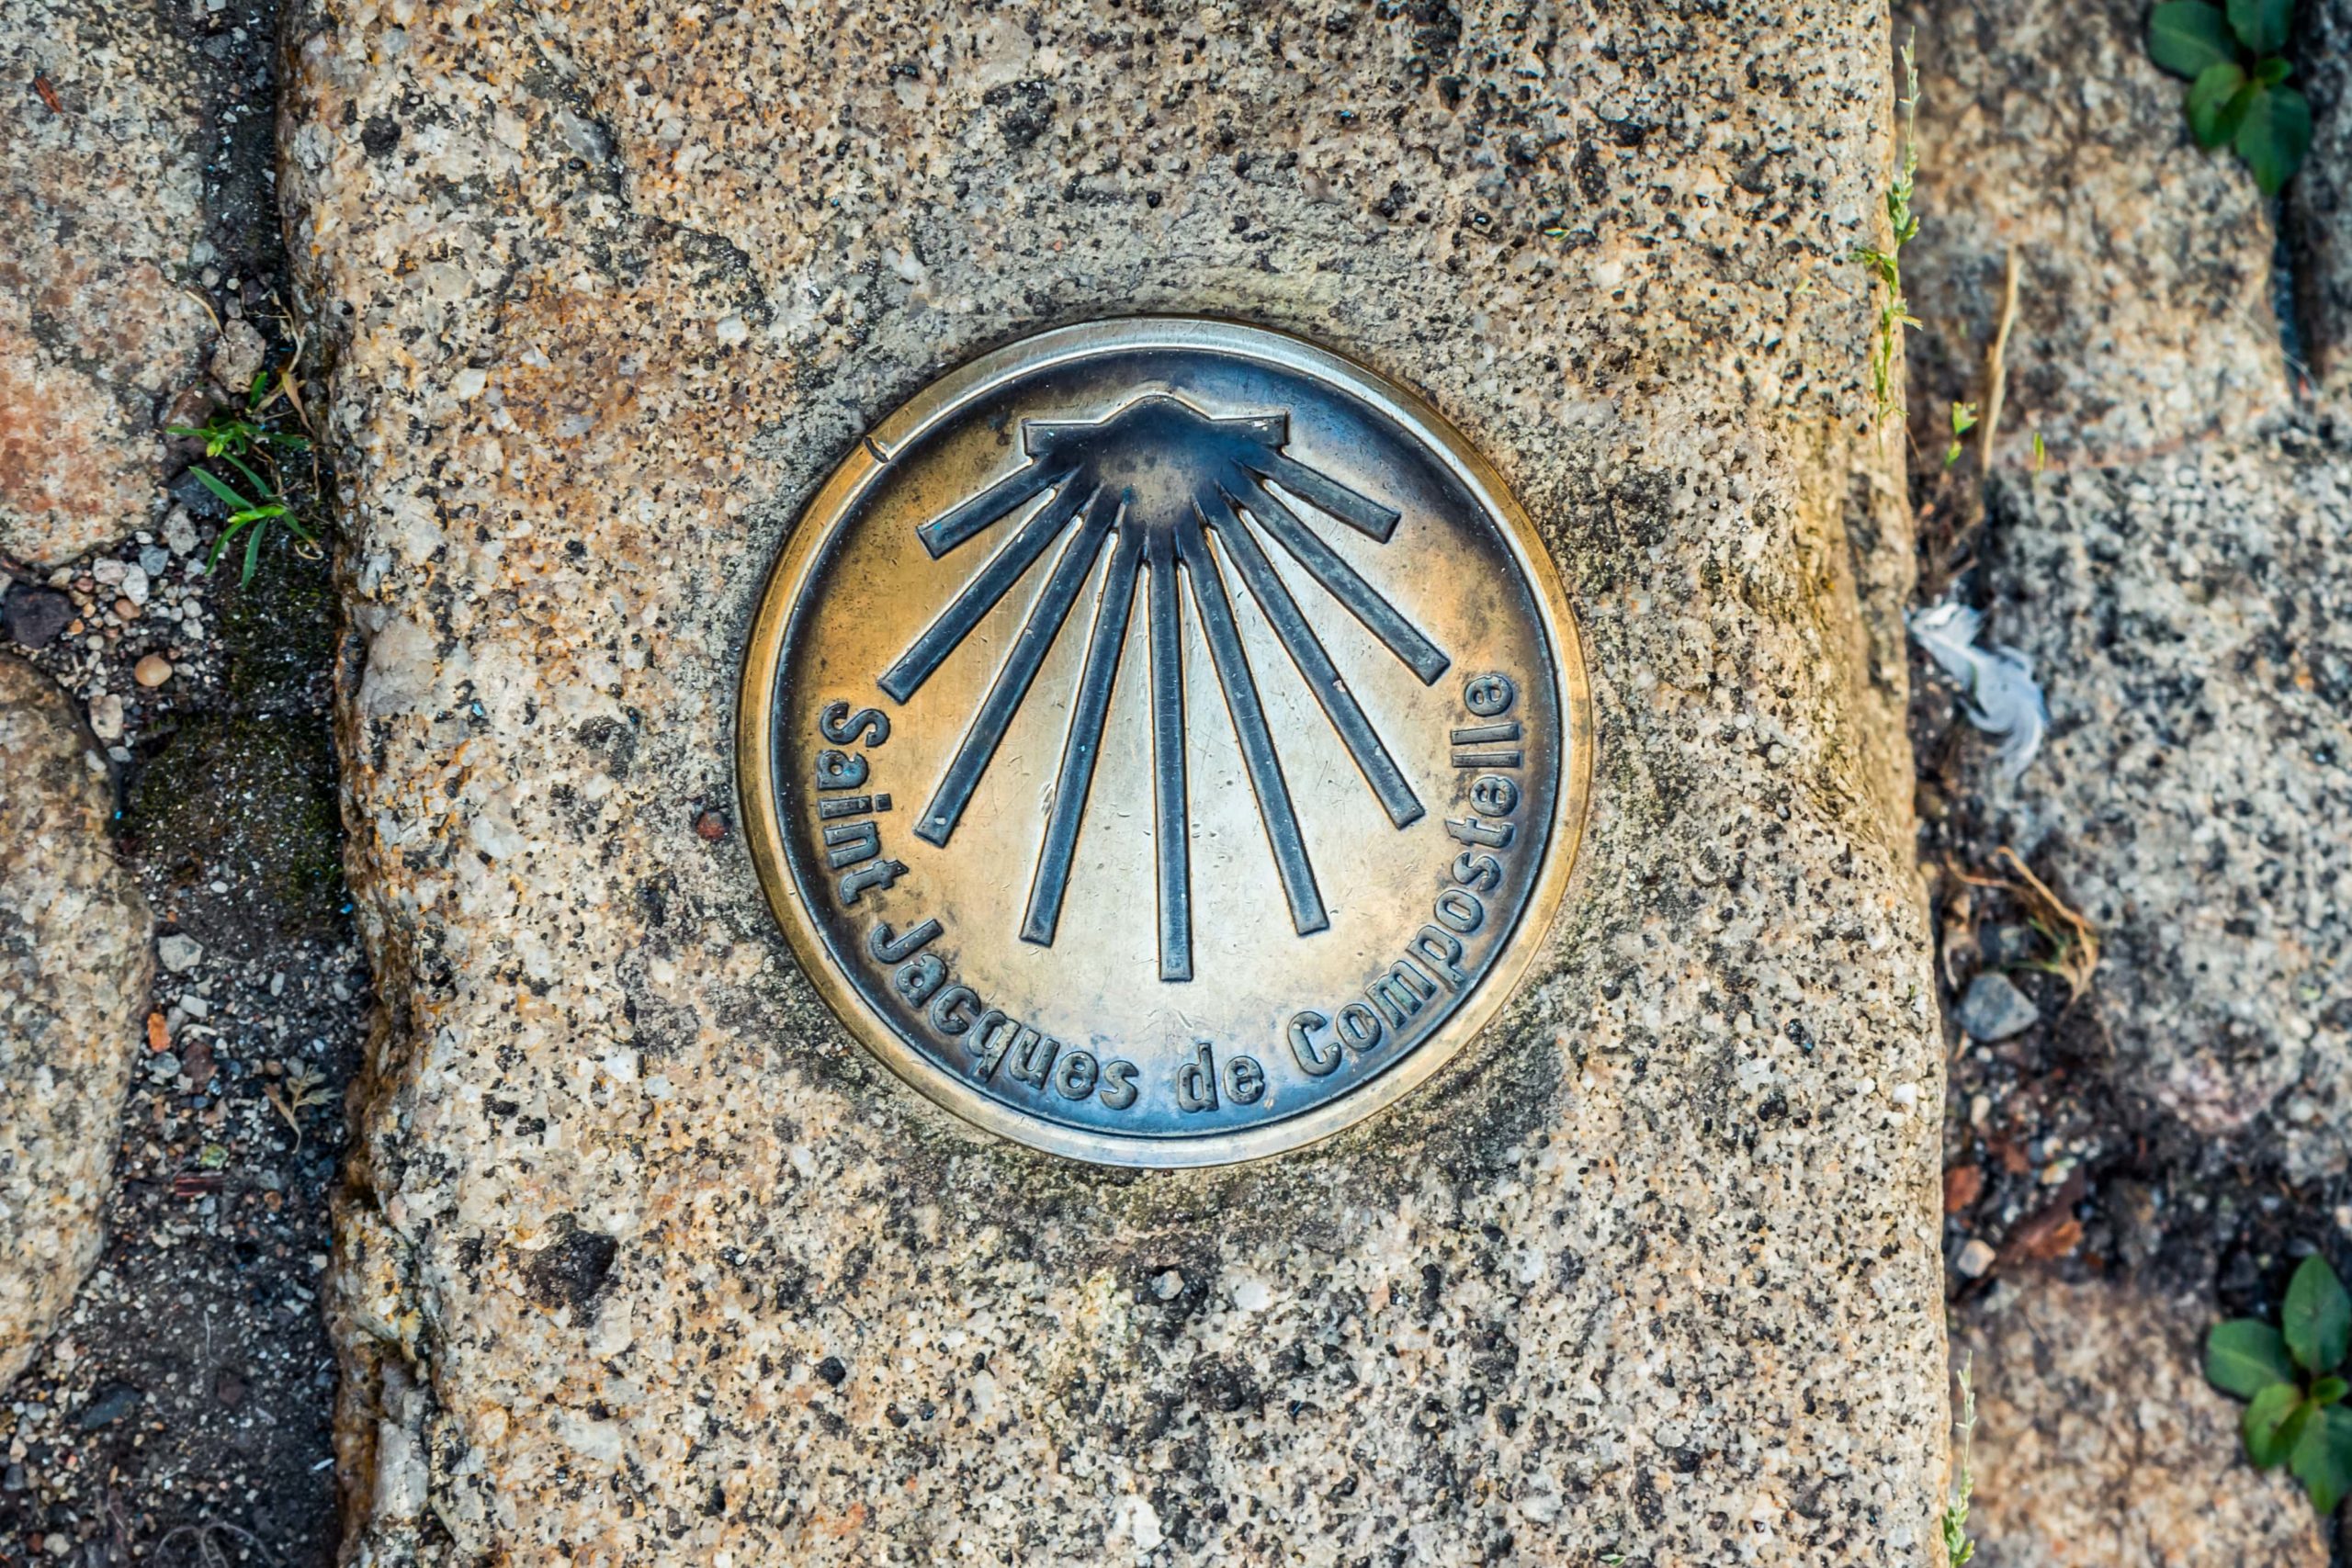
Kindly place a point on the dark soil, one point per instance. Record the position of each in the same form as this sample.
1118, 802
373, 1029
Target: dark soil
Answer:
181, 1413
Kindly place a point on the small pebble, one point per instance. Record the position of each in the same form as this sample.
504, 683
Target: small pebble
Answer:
36, 615
111, 1404
106, 717
126, 610
135, 586
151, 670
1974, 1259
1167, 1286
179, 533
156, 561
1995, 1009
179, 953
239, 357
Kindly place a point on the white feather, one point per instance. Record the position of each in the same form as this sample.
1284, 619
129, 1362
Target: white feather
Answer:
2003, 698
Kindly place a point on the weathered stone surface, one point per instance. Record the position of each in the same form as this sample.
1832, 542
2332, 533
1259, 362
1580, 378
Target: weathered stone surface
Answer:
2180, 589
2319, 202
74, 968
100, 199
2145, 313
2193, 618
645, 1261
2099, 1444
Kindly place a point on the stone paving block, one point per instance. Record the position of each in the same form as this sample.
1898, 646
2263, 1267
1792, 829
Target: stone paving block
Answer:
2144, 311
2177, 579
2094, 1441
101, 203
645, 1261
75, 966
2190, 617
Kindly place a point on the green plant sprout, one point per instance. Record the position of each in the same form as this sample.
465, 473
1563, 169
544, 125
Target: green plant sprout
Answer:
1959, 1550
1903, 226
2295, 1415
246, 444
2236, 64
1964, 419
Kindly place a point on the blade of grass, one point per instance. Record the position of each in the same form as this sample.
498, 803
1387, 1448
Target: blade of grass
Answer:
212, 555
261, 486
219, 488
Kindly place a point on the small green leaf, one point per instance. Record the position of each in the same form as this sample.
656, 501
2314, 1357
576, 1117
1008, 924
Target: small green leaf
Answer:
261, 486
1964, 419
2245, 1356
2214, 106
2274, 1423
2317, 1319
2188, 36
2336, 1422
212, 555
2321, 1458
2273, 71
253, 555
220, 489
2274, 135
2328, 1391
2262, 24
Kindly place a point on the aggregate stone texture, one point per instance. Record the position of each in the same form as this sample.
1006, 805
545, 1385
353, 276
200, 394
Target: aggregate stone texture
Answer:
644, 1261
2181, 585
75, 966
2193, 620
2145, 314
101, 198
2319, 201
2100, 1445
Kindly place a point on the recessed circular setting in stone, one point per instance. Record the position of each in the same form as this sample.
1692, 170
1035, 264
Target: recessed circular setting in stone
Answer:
1164, 741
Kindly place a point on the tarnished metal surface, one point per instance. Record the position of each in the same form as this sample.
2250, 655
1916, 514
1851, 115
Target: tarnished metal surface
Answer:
1164, 741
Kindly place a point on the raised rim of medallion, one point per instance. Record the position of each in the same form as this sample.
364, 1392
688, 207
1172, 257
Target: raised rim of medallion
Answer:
835, 504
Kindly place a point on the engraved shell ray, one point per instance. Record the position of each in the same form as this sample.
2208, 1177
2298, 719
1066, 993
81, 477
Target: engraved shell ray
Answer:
1177, 497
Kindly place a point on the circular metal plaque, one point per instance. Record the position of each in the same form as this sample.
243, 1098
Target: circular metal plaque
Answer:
1164, 741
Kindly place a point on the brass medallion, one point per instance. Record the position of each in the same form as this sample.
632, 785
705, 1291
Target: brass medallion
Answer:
1164, 741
